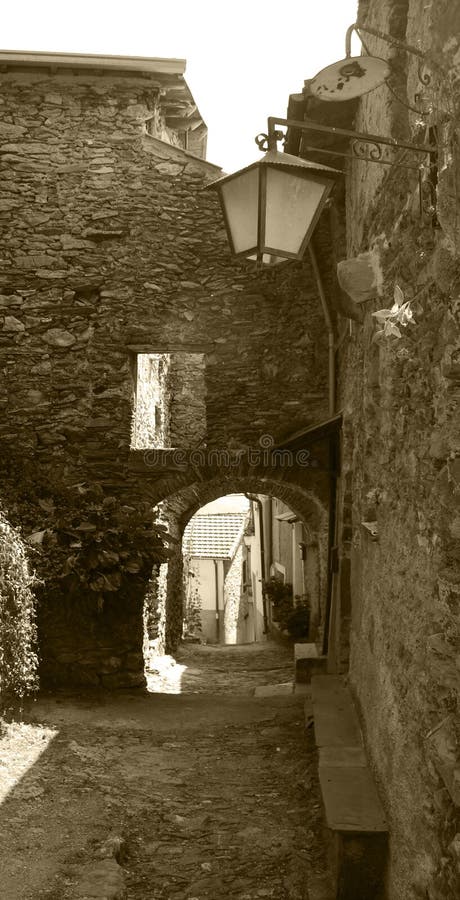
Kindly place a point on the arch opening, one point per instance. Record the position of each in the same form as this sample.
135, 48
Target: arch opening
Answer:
230, 595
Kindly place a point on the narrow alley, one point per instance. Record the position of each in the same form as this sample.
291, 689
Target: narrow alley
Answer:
229, 451
207, 793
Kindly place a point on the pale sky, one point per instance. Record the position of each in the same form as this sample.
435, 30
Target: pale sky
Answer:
244, 57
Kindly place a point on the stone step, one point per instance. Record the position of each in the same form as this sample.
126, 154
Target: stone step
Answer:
350, 799
355, 821
307, 662
336, 721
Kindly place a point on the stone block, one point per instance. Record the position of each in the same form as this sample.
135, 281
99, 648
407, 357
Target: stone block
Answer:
11, 323
356, 824
59, 337
350, 798
308, 662
342, 757
358, 277
336, 722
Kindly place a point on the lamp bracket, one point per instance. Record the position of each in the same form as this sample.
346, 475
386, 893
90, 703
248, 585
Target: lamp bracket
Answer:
383, 35
424, 77
366, 147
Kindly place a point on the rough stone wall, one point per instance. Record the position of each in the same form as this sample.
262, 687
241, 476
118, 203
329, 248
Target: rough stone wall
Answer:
110, 248
378, 112
187, 404
401, 470
313, 585
109, 243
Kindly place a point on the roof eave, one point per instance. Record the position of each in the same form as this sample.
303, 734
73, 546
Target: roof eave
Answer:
146, 64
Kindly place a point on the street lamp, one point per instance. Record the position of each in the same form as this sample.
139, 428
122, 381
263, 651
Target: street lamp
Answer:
272, 206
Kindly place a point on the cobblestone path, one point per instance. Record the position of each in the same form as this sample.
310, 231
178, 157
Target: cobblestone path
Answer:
210, 794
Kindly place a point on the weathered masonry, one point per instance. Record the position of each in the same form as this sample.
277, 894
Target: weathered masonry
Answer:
129, 339
395, 620
140, 361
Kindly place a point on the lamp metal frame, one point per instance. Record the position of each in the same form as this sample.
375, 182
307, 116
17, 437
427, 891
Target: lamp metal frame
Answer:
260, 249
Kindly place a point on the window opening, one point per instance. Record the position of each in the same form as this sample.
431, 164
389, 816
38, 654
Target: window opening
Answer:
170, 405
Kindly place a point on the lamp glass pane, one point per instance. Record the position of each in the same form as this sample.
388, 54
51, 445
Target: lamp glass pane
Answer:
292, 202
240, 197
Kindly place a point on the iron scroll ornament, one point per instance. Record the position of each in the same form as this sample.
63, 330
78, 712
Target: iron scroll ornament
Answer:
366, 150
264, 141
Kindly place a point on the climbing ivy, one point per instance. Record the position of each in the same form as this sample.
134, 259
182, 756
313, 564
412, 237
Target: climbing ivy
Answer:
18, 658
82, 543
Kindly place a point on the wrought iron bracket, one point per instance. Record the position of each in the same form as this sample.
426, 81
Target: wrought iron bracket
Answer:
424, 77
263, 140
394, 42
367, 147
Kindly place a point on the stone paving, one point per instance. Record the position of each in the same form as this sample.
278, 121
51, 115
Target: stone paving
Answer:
209, 794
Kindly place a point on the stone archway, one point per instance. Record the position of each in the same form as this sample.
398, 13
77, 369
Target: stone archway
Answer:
179, 505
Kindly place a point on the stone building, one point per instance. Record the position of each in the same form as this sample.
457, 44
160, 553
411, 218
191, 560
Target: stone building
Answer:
395, 610
138, 357
116, 271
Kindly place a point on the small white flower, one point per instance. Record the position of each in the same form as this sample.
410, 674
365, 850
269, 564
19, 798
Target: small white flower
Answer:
405, 314
383, 314
399, 314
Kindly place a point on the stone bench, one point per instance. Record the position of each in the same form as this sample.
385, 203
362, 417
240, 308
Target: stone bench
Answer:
308, 662
355, 821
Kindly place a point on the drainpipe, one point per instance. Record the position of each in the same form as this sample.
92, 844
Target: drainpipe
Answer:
269, 556
329, 327
333, 452
332, 559
216, 590
255, 499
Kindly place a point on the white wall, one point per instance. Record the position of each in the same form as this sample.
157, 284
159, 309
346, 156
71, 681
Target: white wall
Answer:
204, 583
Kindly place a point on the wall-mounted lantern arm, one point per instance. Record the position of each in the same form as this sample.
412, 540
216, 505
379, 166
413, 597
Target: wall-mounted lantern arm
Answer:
383, 36
367, 147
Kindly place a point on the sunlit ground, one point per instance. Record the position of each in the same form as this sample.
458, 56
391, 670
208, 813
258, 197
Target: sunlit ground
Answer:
20, 747
236, 669
164, 675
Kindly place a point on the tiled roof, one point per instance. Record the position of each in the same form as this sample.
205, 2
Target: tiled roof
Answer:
214, 536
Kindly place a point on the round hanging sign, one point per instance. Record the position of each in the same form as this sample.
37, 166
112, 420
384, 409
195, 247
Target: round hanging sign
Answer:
349, 78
